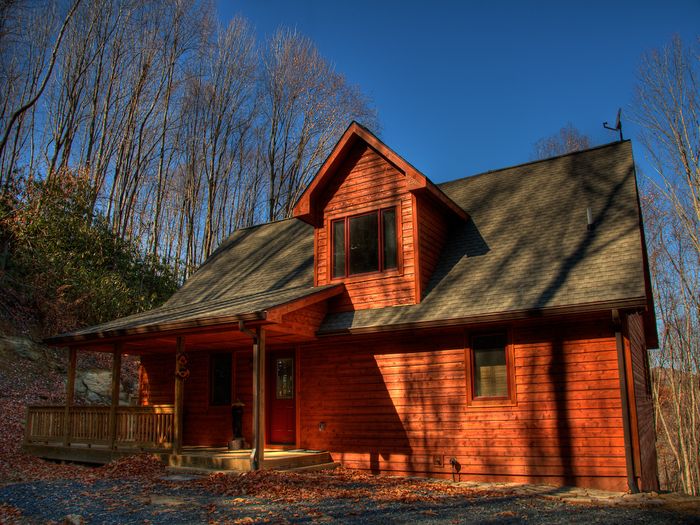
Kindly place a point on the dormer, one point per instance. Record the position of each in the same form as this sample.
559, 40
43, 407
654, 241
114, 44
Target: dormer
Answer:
379, 224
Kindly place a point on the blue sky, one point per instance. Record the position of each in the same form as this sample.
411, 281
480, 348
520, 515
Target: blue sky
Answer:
464, 87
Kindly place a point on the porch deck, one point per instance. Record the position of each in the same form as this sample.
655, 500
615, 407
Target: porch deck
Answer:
100, 434
190, 458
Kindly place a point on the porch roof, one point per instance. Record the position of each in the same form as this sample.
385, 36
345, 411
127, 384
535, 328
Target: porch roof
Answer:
252, 307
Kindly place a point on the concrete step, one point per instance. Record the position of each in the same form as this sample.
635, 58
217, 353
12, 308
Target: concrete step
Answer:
313, 468
241, 463
196, 471
297, 461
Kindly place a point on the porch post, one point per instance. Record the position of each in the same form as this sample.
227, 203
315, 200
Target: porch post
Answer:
70, 393
116, 376
257, 456
179, 395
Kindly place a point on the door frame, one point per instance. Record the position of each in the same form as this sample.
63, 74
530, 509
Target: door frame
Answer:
294, 351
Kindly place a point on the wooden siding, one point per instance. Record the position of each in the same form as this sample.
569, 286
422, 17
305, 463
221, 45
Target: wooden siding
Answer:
202, 424
432, 234
397, 405
644, 403
366, 181
157, 379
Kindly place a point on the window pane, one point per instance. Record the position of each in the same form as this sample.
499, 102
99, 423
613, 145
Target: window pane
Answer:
364, 244
285, 378
220, 379
338, 248
490, 374
389, 233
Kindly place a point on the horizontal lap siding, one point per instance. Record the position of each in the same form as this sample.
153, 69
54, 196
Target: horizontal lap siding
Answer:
202, 424
644, 403
432, 234
157, 380
398, 405
364, 182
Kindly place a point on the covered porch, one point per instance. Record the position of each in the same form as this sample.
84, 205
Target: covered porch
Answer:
162, 421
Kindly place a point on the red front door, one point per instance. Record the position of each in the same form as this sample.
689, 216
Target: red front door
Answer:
281, 398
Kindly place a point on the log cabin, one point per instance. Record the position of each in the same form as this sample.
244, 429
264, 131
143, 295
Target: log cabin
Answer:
493, 328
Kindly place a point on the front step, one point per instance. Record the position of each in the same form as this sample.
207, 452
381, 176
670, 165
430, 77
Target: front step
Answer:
297, 461
241, 462
313, 468
193, 471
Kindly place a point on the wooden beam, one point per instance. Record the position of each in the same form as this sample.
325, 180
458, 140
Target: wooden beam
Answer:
257, 456
70, 394
116, 377
179, 396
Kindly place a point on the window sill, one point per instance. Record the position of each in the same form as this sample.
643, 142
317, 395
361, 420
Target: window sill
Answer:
491, 403
369, 276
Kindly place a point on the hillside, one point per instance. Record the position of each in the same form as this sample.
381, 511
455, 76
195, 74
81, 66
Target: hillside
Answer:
31, 374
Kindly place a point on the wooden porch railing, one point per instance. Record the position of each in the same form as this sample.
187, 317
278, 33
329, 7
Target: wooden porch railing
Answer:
140, 427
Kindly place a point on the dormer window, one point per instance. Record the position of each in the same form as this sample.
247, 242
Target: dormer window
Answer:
364, 243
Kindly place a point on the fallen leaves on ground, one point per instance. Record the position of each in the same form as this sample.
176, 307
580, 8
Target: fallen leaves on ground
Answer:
338, 484
10, 515
142, 466
24, 382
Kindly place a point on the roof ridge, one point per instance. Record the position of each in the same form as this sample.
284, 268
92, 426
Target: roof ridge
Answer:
253, 226
548, 159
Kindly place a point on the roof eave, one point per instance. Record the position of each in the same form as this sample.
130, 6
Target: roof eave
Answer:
515, 315
152, 330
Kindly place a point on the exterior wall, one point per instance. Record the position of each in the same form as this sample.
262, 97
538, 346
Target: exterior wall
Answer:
645, 438
364, 182
202, 424
397, 405
157, 379
432, 234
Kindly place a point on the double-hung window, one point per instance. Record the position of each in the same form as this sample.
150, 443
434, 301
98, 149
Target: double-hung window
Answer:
364, 243
490, 365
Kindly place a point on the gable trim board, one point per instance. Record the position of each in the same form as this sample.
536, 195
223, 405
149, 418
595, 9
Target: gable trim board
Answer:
381, 370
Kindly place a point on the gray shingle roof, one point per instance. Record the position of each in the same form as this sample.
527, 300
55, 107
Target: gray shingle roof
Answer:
525, 247
253, 270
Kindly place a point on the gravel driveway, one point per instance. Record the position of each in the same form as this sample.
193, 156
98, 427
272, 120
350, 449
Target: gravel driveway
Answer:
183, 501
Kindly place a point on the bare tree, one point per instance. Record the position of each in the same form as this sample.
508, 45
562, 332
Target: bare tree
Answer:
185, 131
566, 140
306, 105
36, 94
667, 108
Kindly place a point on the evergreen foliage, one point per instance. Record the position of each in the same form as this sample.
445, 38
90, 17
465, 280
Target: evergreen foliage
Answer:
64, 264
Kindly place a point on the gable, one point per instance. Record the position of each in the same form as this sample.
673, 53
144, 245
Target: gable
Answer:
527, 249
307, 207
365, 182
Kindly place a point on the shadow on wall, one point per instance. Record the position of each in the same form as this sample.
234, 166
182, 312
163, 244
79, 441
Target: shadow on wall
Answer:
348, 405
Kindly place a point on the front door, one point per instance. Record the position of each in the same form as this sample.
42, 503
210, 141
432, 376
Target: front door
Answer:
281, 398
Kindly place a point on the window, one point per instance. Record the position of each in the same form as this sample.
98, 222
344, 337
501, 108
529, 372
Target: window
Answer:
364, 243
285, 378
220, 379
490, 369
